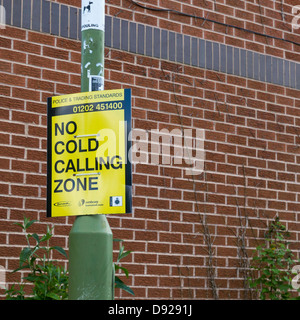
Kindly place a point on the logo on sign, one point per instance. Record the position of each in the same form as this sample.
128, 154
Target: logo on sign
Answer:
116, 201
62, 204
81, 202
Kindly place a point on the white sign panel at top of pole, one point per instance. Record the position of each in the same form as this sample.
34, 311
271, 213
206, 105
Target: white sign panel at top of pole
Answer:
93, 14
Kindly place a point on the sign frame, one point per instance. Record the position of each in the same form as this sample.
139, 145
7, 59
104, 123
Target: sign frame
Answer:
64, 107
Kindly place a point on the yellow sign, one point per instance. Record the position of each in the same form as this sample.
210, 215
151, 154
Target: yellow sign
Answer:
88, 169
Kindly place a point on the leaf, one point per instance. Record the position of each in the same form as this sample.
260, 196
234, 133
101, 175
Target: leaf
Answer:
19, 224
117, 240
29, 223
24, 256
60, 250
123, 255
266, 272
121, 285
46, 237
53, 296
26, 266
31, 278
120, 252
32, 260
49, 230
122, 268
36, 237
284, 287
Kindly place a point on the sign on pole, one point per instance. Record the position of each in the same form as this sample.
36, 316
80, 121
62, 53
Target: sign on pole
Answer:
88, 168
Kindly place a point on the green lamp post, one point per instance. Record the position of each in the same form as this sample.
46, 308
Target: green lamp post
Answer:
91, 272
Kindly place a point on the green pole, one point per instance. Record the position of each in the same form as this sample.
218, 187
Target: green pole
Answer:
91, 270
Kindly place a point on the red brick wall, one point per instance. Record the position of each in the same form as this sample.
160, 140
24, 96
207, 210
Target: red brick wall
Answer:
270, 17
252, 162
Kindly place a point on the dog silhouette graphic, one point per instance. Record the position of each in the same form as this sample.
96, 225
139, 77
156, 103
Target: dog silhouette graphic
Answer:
87, 9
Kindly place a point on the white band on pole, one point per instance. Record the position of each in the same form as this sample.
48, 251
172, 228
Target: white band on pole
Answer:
93, 14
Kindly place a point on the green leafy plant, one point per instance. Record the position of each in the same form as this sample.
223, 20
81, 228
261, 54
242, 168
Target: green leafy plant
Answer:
49, 280
118, 282
273, 262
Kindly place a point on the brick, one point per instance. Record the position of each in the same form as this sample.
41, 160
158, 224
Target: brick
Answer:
68, 67
161, 204
170, 194
5, 66
26, 70
27, 47
68, 44
12, 79
54, 52
41, 85
26, 166
11, 202
5, 42
40, 61
25, 141
13, 55
21, 116
156, 225
26, 94
35, 204
37, 37
36, 179
24, 191
136, 224
66, 89
13, 32
55, 76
